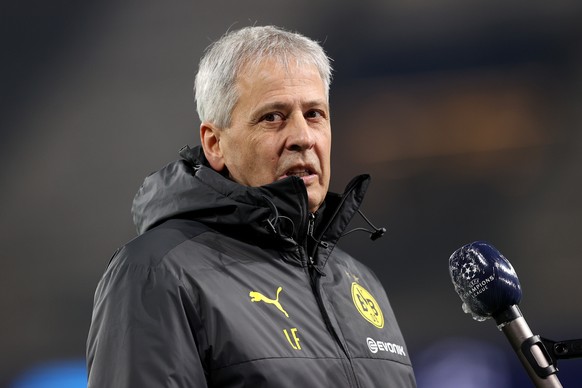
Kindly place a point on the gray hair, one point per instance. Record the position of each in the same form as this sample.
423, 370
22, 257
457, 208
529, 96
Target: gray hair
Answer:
215, 87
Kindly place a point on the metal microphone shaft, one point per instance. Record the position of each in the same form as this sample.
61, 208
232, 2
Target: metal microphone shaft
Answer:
529, 348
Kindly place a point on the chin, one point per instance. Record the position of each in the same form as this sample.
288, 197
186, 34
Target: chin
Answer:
314, 206
315, 199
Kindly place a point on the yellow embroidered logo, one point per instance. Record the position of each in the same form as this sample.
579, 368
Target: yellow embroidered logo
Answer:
367, 305
258, 297
295, 343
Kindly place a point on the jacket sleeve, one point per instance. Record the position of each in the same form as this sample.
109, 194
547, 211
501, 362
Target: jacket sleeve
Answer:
141, 333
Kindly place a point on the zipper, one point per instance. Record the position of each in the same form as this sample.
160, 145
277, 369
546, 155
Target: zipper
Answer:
315, 275
310, 229
310, 224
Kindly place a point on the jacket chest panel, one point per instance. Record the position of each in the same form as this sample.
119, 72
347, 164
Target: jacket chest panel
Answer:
270, 312
361, 313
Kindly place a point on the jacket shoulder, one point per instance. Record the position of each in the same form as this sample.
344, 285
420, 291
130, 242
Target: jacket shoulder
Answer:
151, 247
345, 261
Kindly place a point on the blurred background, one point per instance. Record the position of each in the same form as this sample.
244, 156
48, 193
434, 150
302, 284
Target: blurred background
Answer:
467, 115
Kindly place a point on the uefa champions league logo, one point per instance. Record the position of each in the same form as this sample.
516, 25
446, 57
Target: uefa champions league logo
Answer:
464, 270
469, 270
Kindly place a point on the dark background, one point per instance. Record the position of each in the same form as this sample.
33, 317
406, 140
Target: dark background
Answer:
467, 115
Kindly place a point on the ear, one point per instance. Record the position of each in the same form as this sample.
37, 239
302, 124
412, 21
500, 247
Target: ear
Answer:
210, 140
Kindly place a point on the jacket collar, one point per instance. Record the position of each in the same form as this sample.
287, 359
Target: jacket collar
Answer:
276, 212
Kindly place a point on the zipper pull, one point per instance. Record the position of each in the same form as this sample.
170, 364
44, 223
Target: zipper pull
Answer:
310, 228
315, 267
310, 224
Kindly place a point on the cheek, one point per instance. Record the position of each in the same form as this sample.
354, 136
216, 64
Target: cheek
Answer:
266, 149
265, 161
325, 150
262, 158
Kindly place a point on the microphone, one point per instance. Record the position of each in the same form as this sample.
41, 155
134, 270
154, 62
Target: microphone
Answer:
489, 288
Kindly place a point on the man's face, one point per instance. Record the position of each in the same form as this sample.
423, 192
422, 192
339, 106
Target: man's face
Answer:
280, 127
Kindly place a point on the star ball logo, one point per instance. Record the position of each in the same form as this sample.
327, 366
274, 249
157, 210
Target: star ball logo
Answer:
469, 270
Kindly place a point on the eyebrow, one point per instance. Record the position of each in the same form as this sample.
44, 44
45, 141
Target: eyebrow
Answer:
283, 105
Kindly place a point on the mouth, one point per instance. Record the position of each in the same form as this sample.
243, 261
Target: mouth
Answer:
303, 172
299, 172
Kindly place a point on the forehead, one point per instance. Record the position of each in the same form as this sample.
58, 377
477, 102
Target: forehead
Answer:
281, 61
273, 78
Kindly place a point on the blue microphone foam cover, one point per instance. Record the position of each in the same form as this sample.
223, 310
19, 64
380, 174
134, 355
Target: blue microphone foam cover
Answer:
484, 279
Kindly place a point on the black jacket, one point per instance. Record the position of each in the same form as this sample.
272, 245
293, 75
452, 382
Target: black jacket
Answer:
235, 286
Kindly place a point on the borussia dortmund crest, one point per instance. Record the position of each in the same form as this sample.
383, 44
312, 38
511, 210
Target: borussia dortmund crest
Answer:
367, 305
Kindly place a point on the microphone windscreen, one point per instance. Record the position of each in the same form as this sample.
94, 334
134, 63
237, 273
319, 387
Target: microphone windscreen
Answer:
484, 279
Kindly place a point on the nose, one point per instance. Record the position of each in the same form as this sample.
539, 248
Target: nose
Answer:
301, 136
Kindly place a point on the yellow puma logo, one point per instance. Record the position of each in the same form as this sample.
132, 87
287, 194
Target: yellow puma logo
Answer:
258, 297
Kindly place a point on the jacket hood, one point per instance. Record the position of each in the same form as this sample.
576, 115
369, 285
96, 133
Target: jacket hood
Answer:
189, 188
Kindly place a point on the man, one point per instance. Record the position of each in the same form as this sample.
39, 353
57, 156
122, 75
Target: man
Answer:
236, 279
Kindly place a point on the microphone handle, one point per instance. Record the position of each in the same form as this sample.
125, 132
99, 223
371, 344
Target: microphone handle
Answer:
529, 348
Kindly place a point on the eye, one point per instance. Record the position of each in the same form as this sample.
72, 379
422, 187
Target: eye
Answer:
272, 117
314, 114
